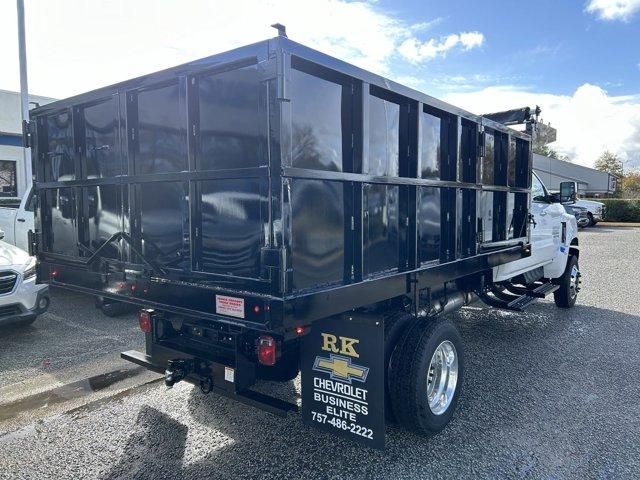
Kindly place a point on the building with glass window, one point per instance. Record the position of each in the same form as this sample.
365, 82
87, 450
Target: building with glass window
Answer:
12, 183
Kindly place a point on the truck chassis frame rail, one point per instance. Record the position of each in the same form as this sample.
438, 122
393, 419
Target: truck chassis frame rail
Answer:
246, 396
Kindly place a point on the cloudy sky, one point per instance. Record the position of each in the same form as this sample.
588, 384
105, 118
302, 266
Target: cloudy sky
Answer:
579, 60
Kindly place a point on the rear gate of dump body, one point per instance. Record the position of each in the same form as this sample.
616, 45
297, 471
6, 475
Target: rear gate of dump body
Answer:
172, 175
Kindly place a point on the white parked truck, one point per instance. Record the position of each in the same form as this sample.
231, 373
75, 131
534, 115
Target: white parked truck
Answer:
16, 219
595, 210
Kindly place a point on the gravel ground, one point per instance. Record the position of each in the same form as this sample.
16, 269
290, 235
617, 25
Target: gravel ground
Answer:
548, 394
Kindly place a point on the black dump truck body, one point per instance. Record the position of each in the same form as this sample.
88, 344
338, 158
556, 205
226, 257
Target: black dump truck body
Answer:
264, 189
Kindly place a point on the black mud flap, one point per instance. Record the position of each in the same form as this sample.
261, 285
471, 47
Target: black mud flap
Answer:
343, 378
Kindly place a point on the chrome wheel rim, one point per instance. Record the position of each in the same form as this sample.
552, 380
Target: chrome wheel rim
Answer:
442, 377
574, 281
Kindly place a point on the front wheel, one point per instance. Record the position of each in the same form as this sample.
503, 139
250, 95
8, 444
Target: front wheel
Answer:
567, 294
592, 222
426, 376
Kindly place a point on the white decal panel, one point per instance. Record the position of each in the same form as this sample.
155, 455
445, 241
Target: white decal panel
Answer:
232, 306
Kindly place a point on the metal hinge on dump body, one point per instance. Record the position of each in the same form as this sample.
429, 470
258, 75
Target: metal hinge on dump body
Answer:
271, 257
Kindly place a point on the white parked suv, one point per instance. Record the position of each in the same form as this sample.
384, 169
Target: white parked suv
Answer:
21, 299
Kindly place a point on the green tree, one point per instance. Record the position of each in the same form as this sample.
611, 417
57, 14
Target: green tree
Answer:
609, 162
545, 150
631, 185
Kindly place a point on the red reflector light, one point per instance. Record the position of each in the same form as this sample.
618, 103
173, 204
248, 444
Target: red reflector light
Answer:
299, 330
266, 349
54, 274
144, 319
256, 309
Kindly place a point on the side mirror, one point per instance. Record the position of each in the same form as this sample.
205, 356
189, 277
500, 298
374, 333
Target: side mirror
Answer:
1, 234
567, 192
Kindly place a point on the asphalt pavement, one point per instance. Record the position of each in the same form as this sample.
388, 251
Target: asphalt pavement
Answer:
548, 393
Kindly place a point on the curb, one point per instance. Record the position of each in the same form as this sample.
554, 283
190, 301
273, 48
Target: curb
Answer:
619, 224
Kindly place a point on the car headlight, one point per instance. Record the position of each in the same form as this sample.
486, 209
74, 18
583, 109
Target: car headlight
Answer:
30, 271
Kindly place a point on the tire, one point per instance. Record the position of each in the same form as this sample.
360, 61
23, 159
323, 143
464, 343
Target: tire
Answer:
409, 383
567, 294
592, 222
395, 324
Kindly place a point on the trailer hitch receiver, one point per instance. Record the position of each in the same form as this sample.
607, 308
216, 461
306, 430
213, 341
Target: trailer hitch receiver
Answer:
177, 370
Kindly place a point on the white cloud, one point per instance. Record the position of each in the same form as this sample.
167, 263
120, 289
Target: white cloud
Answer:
424, 26
589, 121
613, 9
471, 40
76, 46
416, 51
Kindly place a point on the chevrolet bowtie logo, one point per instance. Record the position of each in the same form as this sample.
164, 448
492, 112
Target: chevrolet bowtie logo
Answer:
341, 368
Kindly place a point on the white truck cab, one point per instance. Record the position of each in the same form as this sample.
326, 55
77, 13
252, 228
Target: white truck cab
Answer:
554, 244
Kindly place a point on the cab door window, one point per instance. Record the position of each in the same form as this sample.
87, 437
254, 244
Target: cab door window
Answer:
538, 192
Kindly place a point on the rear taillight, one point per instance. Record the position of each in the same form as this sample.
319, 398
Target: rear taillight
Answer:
144, 319
267, 350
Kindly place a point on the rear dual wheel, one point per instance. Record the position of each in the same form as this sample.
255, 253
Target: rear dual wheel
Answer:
425, 376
